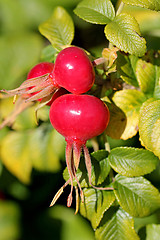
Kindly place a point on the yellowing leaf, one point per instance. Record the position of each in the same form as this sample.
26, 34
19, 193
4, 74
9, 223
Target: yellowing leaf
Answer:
129, 101
14, 155
149, 125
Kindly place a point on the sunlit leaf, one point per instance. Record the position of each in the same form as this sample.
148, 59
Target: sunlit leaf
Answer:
96, 203
129, 101
137, 196
124, 33
58, 29
118, 225
150, 4
153, 231
149, 125
132, 162
99, 12
146, 76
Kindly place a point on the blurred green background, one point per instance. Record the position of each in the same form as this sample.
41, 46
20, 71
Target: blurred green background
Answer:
32, 158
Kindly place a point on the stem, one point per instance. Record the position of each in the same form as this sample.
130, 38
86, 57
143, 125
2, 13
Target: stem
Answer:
98, 61
106, 143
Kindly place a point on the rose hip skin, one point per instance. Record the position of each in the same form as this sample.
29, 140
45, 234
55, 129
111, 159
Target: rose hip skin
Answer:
78, 118
40, 69
73, 70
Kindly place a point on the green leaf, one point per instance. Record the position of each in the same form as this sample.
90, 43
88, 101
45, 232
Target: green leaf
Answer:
58, 29
150, 4
9, 221
47, 148
93, 11
149, 125
48, 54
137, 196
71, 226
19, 53
129, 101
146, 75
153, 231
118, 226
124, 33
96, 204
131, 162
100, 169
126, 67
14, 155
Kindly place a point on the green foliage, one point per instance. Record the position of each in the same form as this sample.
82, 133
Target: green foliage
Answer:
45, 144
153, 5
149, 125
137, 196
153, 231
96, 204
127, 80
126, 67
129, 101
124, 33
9, 220
118, 225
101, 12
72, 225
132, 162
59, 29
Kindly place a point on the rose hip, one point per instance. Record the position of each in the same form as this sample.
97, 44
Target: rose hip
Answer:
78, 118
73, 70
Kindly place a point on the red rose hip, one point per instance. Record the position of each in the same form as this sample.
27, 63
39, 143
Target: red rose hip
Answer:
78, 118
73, 70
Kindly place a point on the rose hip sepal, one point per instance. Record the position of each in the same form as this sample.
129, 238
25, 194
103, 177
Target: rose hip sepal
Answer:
73, 70
78, 118
39, 86
40, 83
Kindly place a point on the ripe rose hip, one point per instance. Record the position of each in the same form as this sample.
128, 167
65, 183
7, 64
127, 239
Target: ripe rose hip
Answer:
78, 118
73, 70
